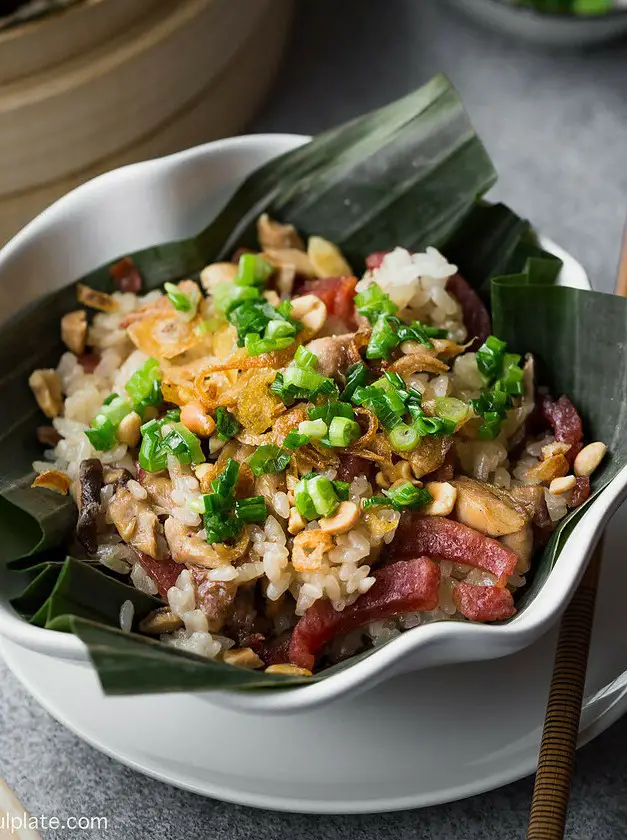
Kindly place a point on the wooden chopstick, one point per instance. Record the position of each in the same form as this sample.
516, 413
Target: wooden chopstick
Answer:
551, 792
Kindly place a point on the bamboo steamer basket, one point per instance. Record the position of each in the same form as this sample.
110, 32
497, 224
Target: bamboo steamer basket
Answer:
40, 44
169, 75
222, 109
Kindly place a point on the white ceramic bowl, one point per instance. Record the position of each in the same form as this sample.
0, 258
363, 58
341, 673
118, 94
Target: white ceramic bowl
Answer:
173, 197
549, 30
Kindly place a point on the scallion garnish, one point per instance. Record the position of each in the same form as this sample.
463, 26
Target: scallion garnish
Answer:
253, 270
342, 431
373, 302
316, 429
227, 425
357, 376
102, 434
144, 386
183, 302
404, 496
404, 438
184, 445
252, 509
502, 373
389, 331
328, 410
269, 458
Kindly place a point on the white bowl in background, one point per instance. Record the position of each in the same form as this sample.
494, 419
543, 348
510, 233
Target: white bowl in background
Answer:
547, 29
173, 197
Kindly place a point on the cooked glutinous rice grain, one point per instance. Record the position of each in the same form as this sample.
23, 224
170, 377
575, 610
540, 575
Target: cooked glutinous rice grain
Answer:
136, 490
127, 613
119, 558
142, 580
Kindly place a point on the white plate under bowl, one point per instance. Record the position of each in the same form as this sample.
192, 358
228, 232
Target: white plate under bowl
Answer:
419, 739
165, 199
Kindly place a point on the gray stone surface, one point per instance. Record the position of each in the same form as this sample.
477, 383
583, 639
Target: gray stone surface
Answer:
555, 125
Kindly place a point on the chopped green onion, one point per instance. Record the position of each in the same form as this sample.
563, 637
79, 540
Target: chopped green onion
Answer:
173, 415
303, 501
302, 378
110, 399
407, 495
184, 445
323, 495
404, 438
377, 400
221, 527
304, 358
269, 458
313, 429
293, 440
489, 358
419, 332
357, 376
328, 410
373, 302
395, 398
280, 329
450, 408
342, 490
253, 270
224, 485
153, 456
256, 345
102, 434
144, 386
403, 496
252, 509
383, 339
186, 304
197, 505
227, 425
342, 431
289, 393
226, 296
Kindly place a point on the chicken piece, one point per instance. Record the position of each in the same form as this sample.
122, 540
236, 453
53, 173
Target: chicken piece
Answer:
46, 386
135, 521
332, 354
187, 547
74, 331
485, 511
273, 234
521, 543
159, 488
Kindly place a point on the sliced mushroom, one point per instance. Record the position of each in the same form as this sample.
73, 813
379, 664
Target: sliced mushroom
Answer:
74, 331
90, 481
135, 521
242, 658
521, 543
480, 508
273, 234
186, 547
160, 621
47, 435
46, 386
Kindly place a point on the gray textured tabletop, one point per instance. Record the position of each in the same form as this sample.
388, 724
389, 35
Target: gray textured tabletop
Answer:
555, 125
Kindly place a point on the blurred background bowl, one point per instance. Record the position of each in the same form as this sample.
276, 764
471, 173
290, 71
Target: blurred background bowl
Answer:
110, 82
558, 30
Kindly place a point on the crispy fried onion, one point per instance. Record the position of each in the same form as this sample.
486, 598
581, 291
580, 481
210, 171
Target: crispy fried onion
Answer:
368, 436
53, 480
448, 349
240, 360
418, 363
309, 550
283, 424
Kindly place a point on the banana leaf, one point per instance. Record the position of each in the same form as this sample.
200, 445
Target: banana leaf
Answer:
412, 173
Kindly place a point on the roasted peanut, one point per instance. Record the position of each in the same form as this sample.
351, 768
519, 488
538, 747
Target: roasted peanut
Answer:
311, 311
346, 516
194, 416
129, 429
327, 259
46, 386
562, 485
289, 670
589, 458
295, 523
444, 497
74, 331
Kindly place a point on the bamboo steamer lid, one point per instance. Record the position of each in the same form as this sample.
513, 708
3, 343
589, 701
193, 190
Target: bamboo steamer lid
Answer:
40, 44
221, 109
92, 106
